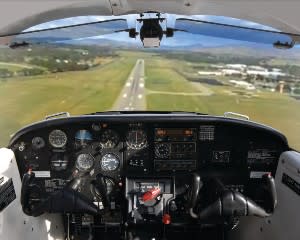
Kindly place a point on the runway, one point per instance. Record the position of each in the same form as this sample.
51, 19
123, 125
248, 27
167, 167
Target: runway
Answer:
132, 97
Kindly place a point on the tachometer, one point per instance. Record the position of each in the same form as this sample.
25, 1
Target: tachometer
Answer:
110, 162
84, 162
109, 139
136, 139
162, 150
58, 138
38, 143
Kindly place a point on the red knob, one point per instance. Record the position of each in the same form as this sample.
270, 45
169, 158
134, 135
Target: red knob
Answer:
166, 219
151, 194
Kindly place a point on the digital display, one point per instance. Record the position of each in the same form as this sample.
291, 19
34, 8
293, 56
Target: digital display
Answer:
175, 134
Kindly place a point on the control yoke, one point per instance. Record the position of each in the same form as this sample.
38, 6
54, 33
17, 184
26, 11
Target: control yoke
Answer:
63, 201
233, 203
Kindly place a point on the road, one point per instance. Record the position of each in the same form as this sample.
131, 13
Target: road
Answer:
132, 96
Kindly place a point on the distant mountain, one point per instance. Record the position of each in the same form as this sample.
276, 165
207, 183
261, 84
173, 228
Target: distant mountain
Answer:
108, 43
255, 50
244, 49
130, 44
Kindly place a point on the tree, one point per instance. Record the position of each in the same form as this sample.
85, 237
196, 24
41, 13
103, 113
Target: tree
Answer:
30, 72
5, 73
297, 91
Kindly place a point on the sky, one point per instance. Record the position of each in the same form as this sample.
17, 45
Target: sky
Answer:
210, 37
171, 18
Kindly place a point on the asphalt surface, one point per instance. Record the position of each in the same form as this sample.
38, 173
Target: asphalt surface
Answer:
132, 96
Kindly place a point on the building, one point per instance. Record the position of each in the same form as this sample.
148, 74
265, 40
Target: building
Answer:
240, 67
242, 84
210, 73
265, 73
231, 72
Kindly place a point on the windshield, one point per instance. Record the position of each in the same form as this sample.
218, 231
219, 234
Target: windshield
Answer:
188, 72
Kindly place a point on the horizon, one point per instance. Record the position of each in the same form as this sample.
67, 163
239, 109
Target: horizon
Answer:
180, 39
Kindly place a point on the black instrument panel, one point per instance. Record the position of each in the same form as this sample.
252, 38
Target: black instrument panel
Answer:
146, 146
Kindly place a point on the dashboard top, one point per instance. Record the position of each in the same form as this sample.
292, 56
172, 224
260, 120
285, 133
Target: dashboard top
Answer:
149, 117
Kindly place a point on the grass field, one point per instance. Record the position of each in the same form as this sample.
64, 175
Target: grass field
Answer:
279, 111
28, 99
162, 76
25, 100
13, 66
18, 66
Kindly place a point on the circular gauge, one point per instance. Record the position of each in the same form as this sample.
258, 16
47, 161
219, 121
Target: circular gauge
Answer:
136, 139
110, 162
84, 162
83, 137
96, 127
162, 150
38, 143
109, 139
57, 138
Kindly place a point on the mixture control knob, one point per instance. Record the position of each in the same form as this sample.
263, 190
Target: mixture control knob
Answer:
166, 219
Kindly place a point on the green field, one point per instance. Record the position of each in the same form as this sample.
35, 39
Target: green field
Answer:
10, 67
14, 66
160, 75
24, 100
279, 111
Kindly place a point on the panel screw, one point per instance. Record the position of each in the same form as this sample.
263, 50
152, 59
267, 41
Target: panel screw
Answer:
187, 4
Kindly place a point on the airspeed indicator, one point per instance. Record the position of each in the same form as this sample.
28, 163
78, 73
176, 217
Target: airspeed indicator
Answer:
110, 162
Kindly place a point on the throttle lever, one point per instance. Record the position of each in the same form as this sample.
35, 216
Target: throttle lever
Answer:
196, 186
